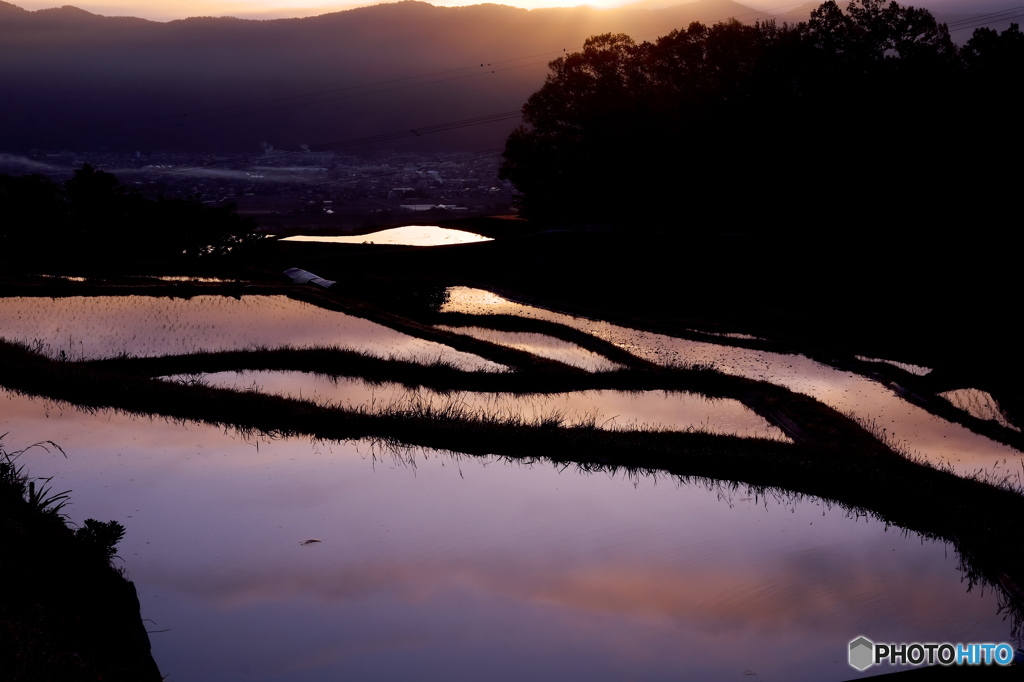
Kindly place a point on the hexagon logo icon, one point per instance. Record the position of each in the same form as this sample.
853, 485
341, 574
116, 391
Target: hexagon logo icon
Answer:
862, 652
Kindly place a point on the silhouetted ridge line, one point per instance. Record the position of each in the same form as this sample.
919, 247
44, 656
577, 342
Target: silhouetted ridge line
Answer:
104, 119
171, 125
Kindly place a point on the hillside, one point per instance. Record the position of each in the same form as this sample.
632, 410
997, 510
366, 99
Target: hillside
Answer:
76, 80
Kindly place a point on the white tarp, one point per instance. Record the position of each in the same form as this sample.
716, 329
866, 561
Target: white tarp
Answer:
299, 276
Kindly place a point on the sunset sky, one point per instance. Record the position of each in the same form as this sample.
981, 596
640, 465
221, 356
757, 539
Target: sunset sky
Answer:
165, 10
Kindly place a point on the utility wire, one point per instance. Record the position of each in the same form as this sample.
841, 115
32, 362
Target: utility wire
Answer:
350, 96
986, 19
484, 68
342, 144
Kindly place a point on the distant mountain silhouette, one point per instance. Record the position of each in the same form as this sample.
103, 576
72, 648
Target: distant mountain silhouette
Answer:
75, 80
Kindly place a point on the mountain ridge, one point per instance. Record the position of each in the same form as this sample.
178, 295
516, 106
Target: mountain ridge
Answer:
77, 80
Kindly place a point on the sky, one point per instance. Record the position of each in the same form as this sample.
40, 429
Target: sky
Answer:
166, 10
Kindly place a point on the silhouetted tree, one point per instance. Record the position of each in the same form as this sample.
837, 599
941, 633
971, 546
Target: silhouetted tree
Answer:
95, 221
843, 119
32, 213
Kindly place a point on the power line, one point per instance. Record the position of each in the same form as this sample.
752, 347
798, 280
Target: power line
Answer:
373, 92
371, 139
484, 68
985, 19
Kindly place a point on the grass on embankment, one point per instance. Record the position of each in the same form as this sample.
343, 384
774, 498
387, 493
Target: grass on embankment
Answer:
67, 614
922, 390
849, 467
801, 417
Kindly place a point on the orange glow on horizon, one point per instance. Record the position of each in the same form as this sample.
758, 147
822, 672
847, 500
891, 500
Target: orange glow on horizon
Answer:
170, 10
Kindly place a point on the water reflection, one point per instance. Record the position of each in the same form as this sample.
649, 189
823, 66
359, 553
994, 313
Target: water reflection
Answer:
104, 326
410, 235
978, 403
908, 425
606, 409
541, 344
528, 569
905, 366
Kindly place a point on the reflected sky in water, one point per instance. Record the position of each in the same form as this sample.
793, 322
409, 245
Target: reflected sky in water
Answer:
978, 403
105, 326
919, 432
410, 235
439, 567
541, 344
607, 409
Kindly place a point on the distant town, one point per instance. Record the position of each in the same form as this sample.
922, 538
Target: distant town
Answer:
288, 191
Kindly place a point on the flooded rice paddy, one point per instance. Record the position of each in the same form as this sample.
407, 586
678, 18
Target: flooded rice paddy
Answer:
410, 235
295, 559
978, 404
541, 344
907, 425
101, 327
605, 409
436, 566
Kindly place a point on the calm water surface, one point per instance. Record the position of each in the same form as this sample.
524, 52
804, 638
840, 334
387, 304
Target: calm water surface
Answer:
438, 567
607, 409
410, 235
978, 403
104, 326
919, 432
541, 344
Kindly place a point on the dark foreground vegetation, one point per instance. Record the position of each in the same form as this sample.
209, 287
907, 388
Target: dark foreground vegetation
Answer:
67, 613
868, 120
92, 220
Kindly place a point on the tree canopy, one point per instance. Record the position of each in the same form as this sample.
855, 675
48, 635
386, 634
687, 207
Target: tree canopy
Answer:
868, 113
94, 220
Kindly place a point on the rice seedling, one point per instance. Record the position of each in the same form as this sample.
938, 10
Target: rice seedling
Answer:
97, 327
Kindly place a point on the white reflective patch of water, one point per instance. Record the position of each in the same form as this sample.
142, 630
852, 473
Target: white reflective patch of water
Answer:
106, 326
410, 235
905, 366
913, 428
69, 278
730, 335
978, 403
187, 278
438, 567
541, 344
605, 409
